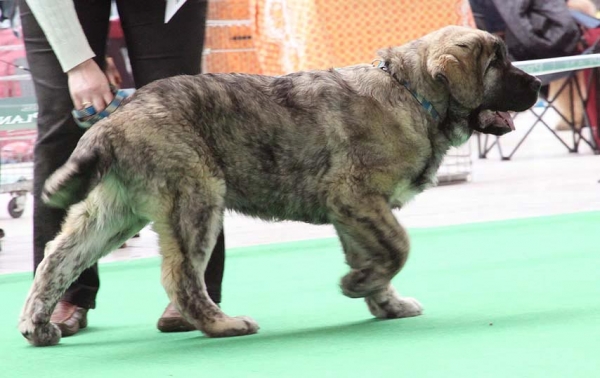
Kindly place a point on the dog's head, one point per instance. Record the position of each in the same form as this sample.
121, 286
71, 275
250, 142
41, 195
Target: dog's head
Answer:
473, 67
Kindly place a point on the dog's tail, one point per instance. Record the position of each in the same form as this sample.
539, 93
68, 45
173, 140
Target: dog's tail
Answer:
86, 166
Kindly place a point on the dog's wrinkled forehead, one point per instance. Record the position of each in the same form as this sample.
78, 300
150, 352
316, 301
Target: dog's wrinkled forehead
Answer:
455, 33
458, 56
464, 41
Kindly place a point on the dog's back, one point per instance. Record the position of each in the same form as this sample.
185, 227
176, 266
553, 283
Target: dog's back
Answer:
279, 143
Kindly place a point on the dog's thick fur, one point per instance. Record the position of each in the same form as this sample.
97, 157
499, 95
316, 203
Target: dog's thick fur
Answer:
343, 146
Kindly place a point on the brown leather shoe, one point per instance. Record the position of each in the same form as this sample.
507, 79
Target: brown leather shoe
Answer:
172, 321
69, 318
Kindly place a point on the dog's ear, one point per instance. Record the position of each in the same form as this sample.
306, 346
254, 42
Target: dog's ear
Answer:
392, 57
458, 65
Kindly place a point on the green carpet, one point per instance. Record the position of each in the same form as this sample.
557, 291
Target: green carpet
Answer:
517, 298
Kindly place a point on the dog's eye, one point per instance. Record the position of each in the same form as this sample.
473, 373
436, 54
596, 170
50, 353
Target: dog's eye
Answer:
462, 45
496, 58
493, 61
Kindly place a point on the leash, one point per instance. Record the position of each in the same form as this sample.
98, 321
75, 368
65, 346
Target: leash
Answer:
426, 104
88, 116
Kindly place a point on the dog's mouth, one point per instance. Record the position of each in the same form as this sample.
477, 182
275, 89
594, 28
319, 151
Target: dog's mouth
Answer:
492, 122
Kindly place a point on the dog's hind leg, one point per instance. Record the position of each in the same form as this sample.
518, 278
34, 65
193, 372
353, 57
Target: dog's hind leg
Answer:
376, 247
187, 238
92, 229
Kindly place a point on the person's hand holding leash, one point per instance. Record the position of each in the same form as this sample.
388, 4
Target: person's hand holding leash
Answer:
89, 86
93, 94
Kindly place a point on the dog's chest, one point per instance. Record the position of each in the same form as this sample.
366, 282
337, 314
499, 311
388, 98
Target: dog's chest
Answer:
407, 189
403, 193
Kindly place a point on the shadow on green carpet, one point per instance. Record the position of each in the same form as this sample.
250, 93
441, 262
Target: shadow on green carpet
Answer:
517, 298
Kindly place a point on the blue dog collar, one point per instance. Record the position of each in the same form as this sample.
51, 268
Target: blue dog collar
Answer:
426, 104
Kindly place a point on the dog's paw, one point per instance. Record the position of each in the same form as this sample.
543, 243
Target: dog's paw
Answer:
389, 305
361, 283
395, 308
231, 326
45, 334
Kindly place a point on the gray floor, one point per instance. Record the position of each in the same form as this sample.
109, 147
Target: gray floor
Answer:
542, 179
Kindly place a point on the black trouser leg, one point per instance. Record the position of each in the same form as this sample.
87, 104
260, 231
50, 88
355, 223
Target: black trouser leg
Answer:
158, 50
57, 132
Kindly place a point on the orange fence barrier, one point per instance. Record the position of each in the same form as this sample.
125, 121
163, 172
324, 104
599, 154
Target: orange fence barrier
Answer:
278, 36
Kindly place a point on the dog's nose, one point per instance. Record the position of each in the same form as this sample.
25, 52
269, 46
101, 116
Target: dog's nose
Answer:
536, 85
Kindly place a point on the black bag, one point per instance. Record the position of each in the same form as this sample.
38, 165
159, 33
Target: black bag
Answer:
537, 29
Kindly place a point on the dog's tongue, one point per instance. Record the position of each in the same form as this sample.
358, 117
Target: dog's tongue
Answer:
492, 122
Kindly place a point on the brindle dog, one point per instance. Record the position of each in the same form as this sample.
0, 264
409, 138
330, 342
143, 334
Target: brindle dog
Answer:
343, 146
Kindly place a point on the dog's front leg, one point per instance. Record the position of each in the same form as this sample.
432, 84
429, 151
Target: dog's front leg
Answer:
376, 247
